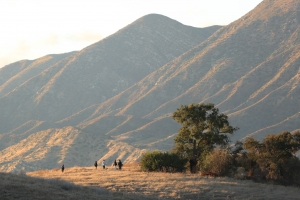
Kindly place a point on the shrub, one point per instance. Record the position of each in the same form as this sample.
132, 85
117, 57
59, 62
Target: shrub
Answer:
162, 161
219, 161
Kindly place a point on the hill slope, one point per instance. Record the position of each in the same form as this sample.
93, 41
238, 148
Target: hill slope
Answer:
122, 107
59, 89
252, 77
36, 96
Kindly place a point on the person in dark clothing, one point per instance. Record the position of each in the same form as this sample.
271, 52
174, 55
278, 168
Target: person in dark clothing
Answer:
96, 164
115, 164
62, 168
120, 164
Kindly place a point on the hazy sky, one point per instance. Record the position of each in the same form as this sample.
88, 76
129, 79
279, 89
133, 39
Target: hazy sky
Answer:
30, 29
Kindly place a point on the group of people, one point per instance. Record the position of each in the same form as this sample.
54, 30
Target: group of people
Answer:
116, 164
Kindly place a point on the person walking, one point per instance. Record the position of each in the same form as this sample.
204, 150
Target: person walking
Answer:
63, 168
115, 164
96, 164
103, 164
120, 164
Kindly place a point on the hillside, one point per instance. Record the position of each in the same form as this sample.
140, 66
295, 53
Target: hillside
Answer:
247, 74
114, 99
58, 88
250, 76
37, 95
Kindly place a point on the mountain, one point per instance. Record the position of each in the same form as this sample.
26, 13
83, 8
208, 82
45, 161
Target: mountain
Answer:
59, 89
249, 69
38, 95
114, 99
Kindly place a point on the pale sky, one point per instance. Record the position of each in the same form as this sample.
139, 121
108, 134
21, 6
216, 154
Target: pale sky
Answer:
30, 29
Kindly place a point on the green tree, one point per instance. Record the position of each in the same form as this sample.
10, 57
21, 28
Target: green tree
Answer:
203, 128
275, 155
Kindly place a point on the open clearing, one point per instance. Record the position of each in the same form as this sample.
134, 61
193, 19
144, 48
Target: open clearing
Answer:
130, 183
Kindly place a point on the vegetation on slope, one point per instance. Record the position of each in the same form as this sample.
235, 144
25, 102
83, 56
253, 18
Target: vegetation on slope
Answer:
202, 141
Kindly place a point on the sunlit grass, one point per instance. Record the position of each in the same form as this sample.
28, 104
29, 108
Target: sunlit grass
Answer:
131, 181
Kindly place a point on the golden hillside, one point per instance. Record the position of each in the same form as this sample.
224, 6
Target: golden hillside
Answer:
130, 182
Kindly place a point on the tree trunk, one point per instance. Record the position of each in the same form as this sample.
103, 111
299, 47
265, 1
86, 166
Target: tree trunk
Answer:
193, 165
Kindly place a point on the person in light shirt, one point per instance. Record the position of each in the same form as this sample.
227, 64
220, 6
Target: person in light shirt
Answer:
103, 164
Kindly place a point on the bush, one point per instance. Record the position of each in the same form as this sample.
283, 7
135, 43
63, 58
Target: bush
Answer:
162, 161
150, 161
219, 161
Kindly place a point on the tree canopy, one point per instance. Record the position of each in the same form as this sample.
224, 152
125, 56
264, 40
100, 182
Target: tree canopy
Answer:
275, 155
203, 128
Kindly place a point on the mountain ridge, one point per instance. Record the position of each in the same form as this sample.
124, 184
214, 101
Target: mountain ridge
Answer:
91, 69
249, 69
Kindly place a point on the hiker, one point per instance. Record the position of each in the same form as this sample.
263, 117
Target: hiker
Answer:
96, 164
62, 168
115, 164
103, 164
120, 164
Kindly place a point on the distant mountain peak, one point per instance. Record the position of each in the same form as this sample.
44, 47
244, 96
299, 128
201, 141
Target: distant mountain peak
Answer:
153, 17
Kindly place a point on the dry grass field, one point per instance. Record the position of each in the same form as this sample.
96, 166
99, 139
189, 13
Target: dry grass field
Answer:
130, 183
